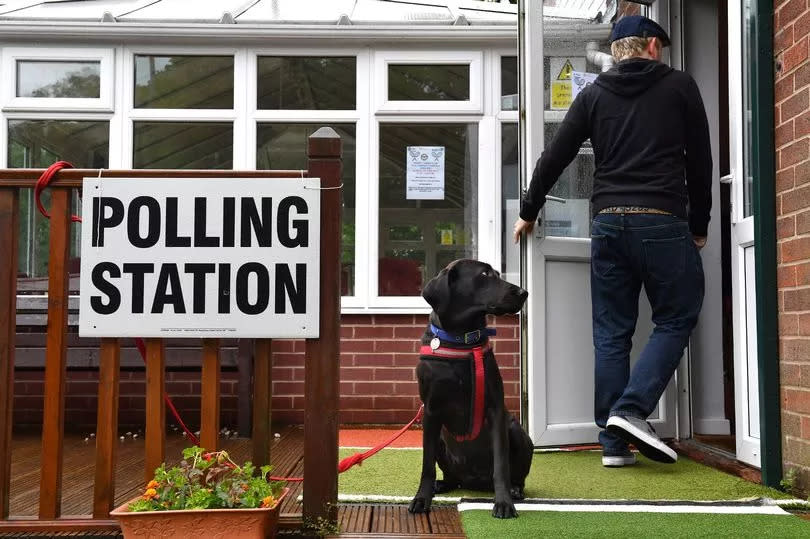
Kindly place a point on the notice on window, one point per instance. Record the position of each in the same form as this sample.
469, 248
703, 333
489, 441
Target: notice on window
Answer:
561, 71
580, 81
425, 173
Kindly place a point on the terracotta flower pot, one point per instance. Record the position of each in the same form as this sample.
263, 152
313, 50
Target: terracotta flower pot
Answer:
194, 524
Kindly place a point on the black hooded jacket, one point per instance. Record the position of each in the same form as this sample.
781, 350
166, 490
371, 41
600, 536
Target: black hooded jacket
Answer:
650, 138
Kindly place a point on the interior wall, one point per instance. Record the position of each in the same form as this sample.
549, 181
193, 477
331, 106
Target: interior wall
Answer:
701, 60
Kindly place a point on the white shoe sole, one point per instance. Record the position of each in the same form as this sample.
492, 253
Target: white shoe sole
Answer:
648, 445
618, 461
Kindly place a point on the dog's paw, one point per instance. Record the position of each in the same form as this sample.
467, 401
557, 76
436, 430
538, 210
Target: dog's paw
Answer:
517, 493
504, 510
420, 505
440, 486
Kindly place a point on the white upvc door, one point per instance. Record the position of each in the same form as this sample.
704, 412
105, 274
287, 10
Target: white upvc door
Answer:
560, 366
746, 380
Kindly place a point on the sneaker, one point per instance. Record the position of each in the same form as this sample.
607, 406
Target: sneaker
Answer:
639, 433
617, 461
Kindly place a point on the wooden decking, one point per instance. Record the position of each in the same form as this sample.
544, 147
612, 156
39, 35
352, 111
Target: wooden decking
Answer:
287, 459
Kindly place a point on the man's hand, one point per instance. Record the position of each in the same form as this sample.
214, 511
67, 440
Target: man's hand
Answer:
521, 227
700, 241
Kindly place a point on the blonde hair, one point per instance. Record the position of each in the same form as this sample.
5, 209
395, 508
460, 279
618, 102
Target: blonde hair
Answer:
629, 47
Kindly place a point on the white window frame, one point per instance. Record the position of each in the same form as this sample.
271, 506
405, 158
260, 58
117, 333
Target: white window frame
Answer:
359, 117
383, 58
103, 103
502, 117
236, 116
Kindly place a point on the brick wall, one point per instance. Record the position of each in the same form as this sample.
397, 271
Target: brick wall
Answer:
378, 384
792, 121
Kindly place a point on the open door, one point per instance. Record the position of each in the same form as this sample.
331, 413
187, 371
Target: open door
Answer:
746, 382
560, 369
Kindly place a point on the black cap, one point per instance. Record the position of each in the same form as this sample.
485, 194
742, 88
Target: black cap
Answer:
638, 26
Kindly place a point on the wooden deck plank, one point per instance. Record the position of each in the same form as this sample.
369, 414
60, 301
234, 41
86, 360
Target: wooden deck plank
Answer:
209, 405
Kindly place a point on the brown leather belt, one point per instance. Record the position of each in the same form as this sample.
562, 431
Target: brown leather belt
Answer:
634, 209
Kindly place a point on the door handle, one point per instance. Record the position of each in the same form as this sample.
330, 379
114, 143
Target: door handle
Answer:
555, 199
728, 178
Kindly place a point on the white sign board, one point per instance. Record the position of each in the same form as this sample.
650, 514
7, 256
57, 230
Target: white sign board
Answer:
425, 173
580, 81
236, 257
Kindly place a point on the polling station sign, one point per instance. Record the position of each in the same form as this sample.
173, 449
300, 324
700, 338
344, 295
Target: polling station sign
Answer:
235, 257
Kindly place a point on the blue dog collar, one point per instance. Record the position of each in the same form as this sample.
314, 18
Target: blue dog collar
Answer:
471, 337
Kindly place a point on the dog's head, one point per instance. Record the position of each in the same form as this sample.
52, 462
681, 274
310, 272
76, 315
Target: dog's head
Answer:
464, 292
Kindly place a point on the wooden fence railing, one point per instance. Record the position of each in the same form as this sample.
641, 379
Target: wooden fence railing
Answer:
321, 369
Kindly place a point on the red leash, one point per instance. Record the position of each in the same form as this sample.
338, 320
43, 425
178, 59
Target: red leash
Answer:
40, 186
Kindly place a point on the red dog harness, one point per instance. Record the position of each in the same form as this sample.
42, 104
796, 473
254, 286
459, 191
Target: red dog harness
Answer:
478, 352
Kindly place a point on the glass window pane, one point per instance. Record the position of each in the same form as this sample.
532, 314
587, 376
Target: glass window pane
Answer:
748, 175
38, 144
509, 83
183, 145
441, 82
572, 219
284, 147
510, 202
302, 83
184, 82
46, 78
418, 237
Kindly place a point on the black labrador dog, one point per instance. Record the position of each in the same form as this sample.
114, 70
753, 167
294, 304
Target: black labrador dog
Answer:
500, 455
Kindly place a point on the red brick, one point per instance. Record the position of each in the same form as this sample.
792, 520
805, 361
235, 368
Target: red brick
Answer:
803, 274
795, 349
373, 388
790, 11
394, 403
298, 374
356, 320
795, 250
785, 227
374, 332
346, 359
285, 374
790, 374
802, 26
394, 374
782, 40
795, 105
802, 127
783, 88
394, 346
357, 346
506, 347
803, 222
783, 134
374, 360
803, 173
283, 345
413, 333
794, 56
288, 388
353, 402
346, 332
406, 360
805, 428
355, 373
288, 360
797, 300
788, 324
794, 153
804, 324
407, 388
784, 179
797, 400
802, 76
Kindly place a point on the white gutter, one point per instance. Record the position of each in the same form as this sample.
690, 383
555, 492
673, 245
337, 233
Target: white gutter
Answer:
596, 57
173, 32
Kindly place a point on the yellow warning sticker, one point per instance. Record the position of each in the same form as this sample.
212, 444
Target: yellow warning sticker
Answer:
565, 72
561, 95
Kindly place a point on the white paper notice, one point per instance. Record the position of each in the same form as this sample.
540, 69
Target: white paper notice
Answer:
425, 175
580, 81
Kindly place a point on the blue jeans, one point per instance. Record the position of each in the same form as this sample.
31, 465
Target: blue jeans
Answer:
628, 251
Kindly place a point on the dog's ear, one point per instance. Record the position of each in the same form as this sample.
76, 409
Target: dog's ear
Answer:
437, 291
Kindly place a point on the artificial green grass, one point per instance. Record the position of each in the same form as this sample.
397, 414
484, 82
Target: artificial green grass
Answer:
395, 472
659, 525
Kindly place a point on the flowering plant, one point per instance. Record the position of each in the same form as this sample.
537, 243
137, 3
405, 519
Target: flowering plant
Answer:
208, 480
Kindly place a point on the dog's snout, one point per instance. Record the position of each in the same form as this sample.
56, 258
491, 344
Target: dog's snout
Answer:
522, 294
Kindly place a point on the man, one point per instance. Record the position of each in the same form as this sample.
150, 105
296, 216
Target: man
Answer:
651, 201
